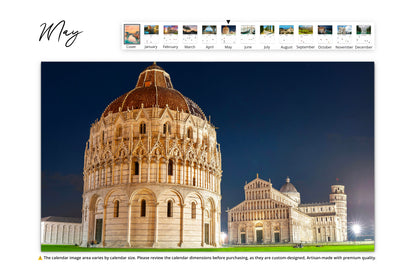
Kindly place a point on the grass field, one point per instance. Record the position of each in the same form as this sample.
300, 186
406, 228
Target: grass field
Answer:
254, 248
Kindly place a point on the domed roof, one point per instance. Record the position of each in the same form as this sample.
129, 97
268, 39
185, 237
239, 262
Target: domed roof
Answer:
288, 187
154, 88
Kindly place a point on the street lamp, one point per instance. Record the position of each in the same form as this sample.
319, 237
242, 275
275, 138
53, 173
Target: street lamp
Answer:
223, 237
356, 229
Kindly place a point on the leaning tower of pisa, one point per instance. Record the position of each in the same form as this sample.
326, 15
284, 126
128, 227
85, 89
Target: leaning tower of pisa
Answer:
339, 197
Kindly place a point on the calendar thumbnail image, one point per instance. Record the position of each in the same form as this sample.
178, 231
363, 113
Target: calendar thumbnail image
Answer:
190, 29
132, 34
151, 29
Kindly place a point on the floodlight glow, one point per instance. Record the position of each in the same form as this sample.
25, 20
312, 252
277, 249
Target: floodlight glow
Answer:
356, 229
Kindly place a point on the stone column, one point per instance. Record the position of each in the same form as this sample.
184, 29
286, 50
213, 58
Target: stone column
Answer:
129, 224
326, 233
200, 170
211, 183
88, 178
156, 231
120, 169
214, 227
218, 220
157, 170
203, 226
182, 177
290, 224
182, 223
85, 225
199, 176
105, 174
196, 175
166, 171
254, 234
104, 221
175, 171
130, 178
92, 176
140, 169
94, 181
238, 234
208, 177
191, 174
112, 172
148, 168
99, 176
205, 177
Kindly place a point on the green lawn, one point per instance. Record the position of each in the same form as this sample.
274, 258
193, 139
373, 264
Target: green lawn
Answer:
254, 248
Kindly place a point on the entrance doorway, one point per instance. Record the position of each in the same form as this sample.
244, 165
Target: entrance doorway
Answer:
206, 233
276, 237
98, 229
243, 238
259, 235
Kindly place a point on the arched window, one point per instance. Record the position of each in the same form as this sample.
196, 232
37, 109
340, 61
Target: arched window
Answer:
136, 168
119, 131
193, 210
170, 168
170, 209
189, 133
166, 128
116, 208
142, 128
143, 208
168, 83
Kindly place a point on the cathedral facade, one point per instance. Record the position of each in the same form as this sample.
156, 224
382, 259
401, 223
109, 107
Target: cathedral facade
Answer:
152, 171
269, 216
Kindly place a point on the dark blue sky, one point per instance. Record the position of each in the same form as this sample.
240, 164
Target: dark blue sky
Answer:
313, 122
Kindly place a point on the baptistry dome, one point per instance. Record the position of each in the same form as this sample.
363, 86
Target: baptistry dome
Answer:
154, 89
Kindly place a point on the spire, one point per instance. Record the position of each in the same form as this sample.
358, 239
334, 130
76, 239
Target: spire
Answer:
257, 175
287, 179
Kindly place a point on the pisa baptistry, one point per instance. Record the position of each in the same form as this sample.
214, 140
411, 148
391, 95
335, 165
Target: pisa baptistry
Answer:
152, 171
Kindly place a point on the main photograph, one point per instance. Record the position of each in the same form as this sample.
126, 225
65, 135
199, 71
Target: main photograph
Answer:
262, 156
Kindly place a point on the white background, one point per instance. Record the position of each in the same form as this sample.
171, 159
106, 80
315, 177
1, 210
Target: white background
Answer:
21, 54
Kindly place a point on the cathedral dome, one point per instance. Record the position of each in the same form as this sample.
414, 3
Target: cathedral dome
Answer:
154, 88
288, 187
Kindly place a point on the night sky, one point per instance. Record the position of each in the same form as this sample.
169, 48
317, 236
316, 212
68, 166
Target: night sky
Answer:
313, 122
